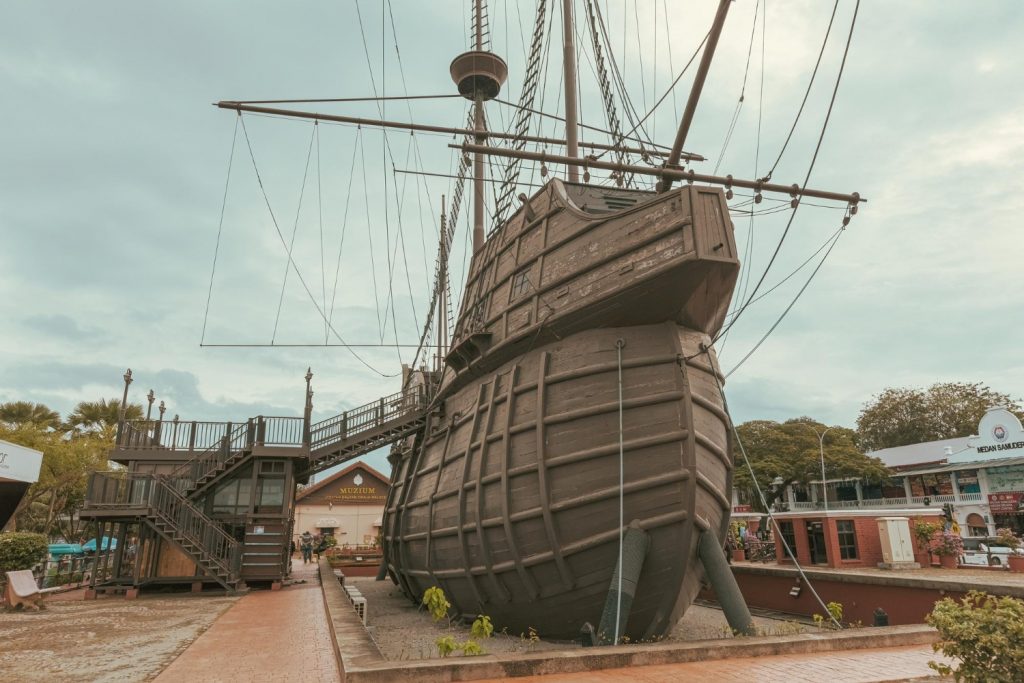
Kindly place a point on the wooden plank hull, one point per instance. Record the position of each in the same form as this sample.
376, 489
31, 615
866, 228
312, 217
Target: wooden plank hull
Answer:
510, 501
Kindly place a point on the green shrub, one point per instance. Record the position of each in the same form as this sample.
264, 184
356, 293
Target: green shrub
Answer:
985, 633
21, 550
923, 532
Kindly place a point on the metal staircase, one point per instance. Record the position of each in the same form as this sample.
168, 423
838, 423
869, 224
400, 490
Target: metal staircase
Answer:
152, 499
170, 503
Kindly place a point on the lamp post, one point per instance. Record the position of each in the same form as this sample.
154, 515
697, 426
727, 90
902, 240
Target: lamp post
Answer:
150, 397
821, 451
124, 401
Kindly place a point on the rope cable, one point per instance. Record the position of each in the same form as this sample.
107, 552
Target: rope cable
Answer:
298, 273
295, 231
807, 177
220, 228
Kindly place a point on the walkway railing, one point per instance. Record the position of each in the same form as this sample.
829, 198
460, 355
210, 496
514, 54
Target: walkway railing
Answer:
174, 435
396, 407
120, 490
913, 501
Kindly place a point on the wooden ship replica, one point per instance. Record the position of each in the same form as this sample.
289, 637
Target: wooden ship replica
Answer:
570, 461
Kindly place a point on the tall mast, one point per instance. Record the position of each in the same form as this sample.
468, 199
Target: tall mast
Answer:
569, 66
479, 75
480, 125
698, 85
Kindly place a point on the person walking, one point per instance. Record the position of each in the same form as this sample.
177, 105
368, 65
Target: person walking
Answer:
307, 546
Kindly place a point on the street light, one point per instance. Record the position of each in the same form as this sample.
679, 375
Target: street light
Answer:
150, 397
124, 401
821, 450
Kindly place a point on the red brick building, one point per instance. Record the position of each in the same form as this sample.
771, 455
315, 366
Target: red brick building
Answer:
839, 538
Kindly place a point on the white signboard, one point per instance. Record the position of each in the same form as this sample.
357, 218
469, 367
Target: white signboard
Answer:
1000, 435
18, 463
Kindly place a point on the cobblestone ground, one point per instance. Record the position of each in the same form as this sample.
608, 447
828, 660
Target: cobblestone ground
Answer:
850, 666
109, 639
273, 636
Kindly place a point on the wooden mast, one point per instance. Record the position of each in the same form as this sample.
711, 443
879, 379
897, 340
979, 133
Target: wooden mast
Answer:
479, 180
698, 85
569, 66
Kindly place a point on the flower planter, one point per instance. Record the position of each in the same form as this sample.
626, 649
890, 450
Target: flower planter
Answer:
949, 561
923, 559
738, 556
1016, 563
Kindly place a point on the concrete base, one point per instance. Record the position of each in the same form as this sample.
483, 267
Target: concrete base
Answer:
90, 594
899, 565
197, 586
275, 586
131, 594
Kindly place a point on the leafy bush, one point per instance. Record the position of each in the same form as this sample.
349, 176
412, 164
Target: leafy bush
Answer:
835, 615
1006, 537
21, 550
985, 633
437, 604
923, 532
947, 544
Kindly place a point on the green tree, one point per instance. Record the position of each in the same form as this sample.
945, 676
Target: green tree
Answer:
902, 416
101, 417
16, 413
786, 453
49, 505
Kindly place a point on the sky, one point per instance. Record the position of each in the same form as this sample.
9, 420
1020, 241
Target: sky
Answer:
119, 182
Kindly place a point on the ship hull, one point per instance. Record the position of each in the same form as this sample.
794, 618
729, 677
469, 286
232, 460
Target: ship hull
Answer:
510, 500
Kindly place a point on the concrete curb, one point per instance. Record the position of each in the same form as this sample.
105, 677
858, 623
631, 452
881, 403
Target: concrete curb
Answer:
353, 647
361, 662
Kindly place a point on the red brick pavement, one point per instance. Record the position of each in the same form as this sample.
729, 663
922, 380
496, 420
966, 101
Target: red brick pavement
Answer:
274, 636
849, 666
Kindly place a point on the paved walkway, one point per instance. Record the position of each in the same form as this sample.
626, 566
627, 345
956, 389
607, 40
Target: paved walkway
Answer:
849, 666
274, 636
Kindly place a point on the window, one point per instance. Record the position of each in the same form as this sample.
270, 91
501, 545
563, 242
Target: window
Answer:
233, 497
271, 494
520, 283
272, 467
847, 539
789, 536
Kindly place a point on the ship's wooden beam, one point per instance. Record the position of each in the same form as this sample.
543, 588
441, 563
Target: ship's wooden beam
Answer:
355, 120
675, 174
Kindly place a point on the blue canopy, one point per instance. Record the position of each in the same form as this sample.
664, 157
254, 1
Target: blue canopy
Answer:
108, 543
61, 549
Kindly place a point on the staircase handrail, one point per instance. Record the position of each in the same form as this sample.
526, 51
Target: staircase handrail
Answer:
153, 491
219, 546
366, 417
191, 471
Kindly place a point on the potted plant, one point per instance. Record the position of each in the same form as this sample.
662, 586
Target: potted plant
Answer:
735, 544
1006, 537
923, 533
949, 547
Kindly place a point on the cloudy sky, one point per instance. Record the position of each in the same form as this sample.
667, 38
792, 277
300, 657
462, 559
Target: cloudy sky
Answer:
113, 168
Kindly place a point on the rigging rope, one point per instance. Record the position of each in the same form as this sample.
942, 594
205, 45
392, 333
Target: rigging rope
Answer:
764, 502
806, 93
298, 273
619, 343
295, 231
220, 228
807, 177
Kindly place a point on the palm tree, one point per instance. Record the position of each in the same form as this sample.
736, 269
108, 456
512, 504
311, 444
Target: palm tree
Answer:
18, 413
101, 416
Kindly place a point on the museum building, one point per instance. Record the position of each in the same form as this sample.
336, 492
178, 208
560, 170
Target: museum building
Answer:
348, 505
980, 477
